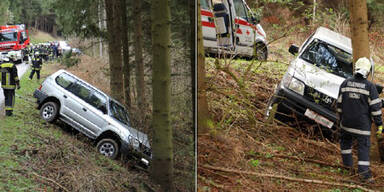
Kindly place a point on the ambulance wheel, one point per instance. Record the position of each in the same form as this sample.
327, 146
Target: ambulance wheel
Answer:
261, 52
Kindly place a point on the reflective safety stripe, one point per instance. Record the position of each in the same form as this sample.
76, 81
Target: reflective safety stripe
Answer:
375, 113
355, 90
347, 151
4, 65
356, 131
8, 86
8, 108
339, 110
375, 101
340, 99
366, 163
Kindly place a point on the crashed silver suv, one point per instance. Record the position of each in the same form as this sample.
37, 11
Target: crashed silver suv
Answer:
310, 87
64, 96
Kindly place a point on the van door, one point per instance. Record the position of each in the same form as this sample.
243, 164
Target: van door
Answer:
207, 22
244, 31
223, 11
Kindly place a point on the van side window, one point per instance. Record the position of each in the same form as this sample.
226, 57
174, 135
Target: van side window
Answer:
240, 9
204, 4
99, 101
81, 91
65, 80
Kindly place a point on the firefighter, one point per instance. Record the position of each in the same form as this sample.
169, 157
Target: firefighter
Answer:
357, 105
9, 81
37, 61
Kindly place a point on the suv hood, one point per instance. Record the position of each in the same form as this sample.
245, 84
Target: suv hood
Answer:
317, 78
142, 137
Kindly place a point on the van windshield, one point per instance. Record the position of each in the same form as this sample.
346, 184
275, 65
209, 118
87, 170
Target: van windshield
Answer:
329, 58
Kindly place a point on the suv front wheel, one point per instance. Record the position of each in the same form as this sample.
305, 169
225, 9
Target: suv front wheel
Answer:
108, 147
49, 111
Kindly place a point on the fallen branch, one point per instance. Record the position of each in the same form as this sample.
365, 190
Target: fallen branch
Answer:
288, 178
50, 180
310, 160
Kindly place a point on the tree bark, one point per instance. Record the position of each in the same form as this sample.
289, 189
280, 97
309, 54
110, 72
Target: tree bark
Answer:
360, 46
162, 167
202, 109
140, 83
125, 41
359, 29
192, 11
114, 48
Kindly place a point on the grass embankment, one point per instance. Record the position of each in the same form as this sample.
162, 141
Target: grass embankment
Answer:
37, 156
37, 36
243, 153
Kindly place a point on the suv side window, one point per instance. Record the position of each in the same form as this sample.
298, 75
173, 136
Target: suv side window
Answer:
81, 90
65, 80
99, 101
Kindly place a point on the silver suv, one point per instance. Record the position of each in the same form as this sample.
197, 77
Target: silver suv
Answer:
64, 96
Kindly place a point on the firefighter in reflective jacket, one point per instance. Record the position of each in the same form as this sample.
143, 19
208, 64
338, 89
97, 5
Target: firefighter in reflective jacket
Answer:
37, 61
9, 81
357, 105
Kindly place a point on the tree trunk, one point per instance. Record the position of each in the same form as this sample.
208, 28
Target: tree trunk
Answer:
162, 167
360, 47
100, 15
359, 29
114, 48
202, 109
140, 84
125, 41
192, 57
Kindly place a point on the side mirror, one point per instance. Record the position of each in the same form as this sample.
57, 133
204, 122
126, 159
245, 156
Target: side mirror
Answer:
293, 49
255, 20
379, 88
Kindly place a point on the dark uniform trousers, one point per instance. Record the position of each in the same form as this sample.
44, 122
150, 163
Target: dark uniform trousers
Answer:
36, 67
9, 80
9, 95
358, 104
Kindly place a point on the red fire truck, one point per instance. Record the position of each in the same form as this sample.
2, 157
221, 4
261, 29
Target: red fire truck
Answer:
13, 40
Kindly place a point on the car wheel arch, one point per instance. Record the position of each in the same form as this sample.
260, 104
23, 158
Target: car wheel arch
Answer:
109, 134
50, 99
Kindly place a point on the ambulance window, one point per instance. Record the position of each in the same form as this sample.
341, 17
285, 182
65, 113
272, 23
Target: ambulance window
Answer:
240, 9
204, 4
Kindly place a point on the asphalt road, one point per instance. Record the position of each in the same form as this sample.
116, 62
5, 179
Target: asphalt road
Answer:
21, 69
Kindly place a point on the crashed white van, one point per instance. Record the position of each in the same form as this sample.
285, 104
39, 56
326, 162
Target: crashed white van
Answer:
231, 26
311, 84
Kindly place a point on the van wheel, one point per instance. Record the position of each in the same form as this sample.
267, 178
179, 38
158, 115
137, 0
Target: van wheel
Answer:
108, 147
261, 52
49, 111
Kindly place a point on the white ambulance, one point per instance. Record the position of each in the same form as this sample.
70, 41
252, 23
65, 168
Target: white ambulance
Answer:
230, 25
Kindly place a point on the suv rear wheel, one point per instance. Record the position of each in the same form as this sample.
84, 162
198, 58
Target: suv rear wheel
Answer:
108, 147
49, 111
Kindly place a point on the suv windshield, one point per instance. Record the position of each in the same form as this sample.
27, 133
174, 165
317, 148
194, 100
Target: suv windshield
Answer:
118, 112
329, 58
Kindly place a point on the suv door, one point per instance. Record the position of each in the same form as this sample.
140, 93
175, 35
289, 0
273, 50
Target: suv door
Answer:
75, 103
96, 109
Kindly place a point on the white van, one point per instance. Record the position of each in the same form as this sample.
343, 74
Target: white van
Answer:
231, 25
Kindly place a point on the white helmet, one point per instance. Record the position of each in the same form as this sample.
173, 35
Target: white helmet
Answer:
363, 66
5, 59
